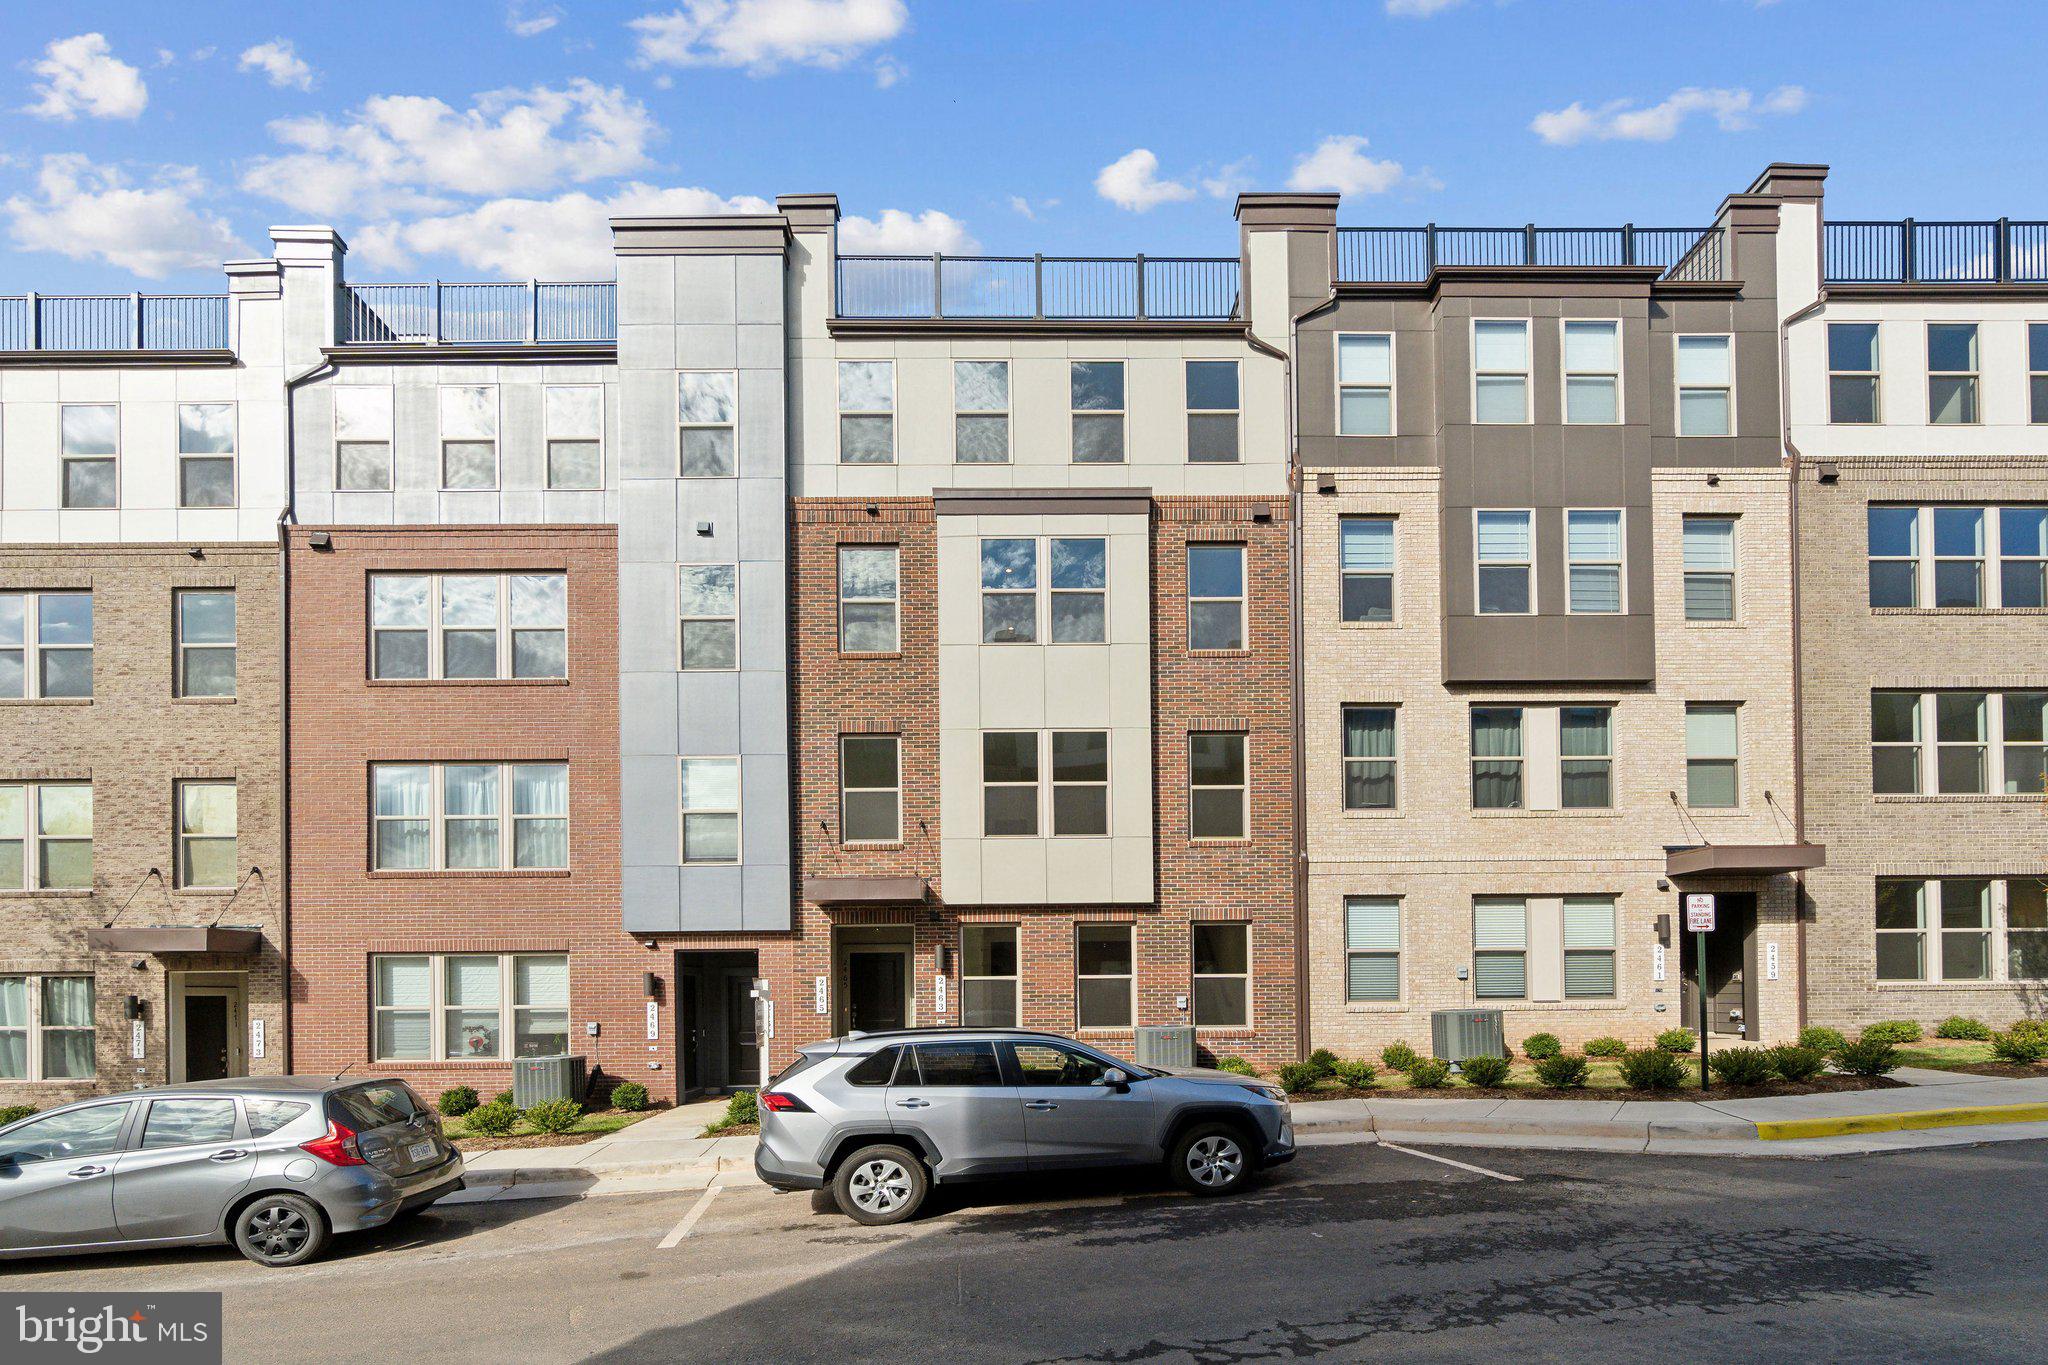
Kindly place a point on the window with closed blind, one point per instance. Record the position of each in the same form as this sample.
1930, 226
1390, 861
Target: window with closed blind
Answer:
1710, 568
1588, 947
1367, 569
1500, 948
1593, 556
1372, 948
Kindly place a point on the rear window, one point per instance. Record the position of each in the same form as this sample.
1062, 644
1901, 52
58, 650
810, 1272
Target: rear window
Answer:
802, 1062
876, 1068
267, 1116
376, 1105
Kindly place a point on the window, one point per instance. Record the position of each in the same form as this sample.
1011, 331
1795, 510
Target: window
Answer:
1965, 758
707, 409
1709, 568
711, 810
1852, 372
1009, 591
1952, 373
1712, 756
1585, 757
362, 438
1505, 568
1216, 786
1080, 783
205, 622
1589, 947
1041, 1064
2022, 556
1372, 949
47, 1032
1216, 597
1500, 371
90, 435
1894, 534
1949, 929
206, 836
1895, 742
2037, 371
867, 599
1080, 590
1366, 568
469, 436
1365, 384
1102, 970
2024, 757
981, 411
988, 975
708, 597
186, 1123
870, 789
46, 836
466, 626
1958, 556
1901, 930
206, 454
1500, 948
943, 1064
1592, 373
1960, 736
1223, 975
1496, 758
1369, 758
1593, 554
879, 1068
453, 816
267, 1116
1212, 412
867, 411
574, 418
1096, 392
1009, 784
1706, 386
1959, 573
461, 1006
2026, 929
45, 645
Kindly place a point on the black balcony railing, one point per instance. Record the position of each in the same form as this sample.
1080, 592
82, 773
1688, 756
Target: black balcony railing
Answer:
113, 322
479, 314
1069, 288
1906, 251
1405, 255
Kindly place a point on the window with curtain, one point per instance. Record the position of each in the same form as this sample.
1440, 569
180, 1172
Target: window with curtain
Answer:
45, 645
45, 836
454, 816
472, 1008
1585, 757
206, 836
1496, 758
1367, 568
1365, 384
1500, 948
47, 1028
1712, 754
1502, 543
14, 1028
540, 815
1589, 947
1369, 758
988, 975
1372, 948
1592, 550
1709, 553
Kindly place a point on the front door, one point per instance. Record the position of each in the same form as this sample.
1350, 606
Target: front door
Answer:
742, 1042
1728, 970
206, 1037
686, 1034
874, 990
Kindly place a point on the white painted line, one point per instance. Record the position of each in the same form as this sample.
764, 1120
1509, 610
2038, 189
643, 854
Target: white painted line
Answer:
1463, 1166
682, 1229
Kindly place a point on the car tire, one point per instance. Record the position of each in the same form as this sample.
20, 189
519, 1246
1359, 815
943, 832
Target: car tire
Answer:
1210, 1158
880, 1185
279, 1230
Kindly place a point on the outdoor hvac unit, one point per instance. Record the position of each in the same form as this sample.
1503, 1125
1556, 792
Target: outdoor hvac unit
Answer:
1166, 1045
537, 1079
1455, 1035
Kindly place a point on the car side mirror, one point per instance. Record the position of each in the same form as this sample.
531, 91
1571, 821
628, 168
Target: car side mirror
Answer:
1116, 1079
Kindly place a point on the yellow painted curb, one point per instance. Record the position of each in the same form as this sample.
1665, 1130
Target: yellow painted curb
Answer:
1887, 1123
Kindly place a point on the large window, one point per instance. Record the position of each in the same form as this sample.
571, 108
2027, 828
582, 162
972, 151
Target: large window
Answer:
708, 597
465, 626
1706, 386
1365, 384
1592, 373
1852, 373
988, 975
1077, 612
206, 836
1961, 929
1497, 758
47, 1031
1216, 606
1506, 570
867, 411
1500, 948
1588, 947
206, 454
707, 415
1962, 571
1213, 405
1585, 757
362, 437
1370, 758
1709, 553
710, 800
1080, 783
1983, 743
1223, 975
1500, 371
1593, 560
1952, 373
1096, 393
469, 817
46, 836
205, 623
45, 645
981, 411
870, 789
1009, 784
574, 418
1102, 972
90, 437
1713, 750
867, 599
1217, 789
468, 1006
469, 436
1366, 568
1372, 949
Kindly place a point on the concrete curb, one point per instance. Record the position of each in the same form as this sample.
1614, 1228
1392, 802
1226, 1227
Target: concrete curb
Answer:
1966, 1116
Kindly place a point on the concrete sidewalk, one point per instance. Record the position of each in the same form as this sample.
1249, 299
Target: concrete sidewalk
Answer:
659, 1153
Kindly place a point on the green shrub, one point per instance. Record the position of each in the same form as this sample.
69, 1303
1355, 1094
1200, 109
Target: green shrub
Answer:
1742, 1066
1428, 1073
1357, 1075
1893, 1031
1653, 1068
554, 1116
1677, 1040
2031, 1028
1398, 1056
458, 1100
14, 1113
1798, 1063
2016, 1045
492, 1120
1237, 1066
1537, 1046
504, 1097
1606, 1047
1826, 1041
743, 1108
1485, 1072
1868, 1056
1956, 1026
1323, 1062
1562, 1072
629, 1097
1298, 1078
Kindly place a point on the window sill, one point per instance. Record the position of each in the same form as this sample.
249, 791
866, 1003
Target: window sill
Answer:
1958, 798
203, 892
467, 682
1715, 625
1394, 814
1368, 625
1376, 1006
1219, 653
1239, 842
1226, 1031
1548, 1006
1959, 611
1574, 813
871, 654
874, 846
465, 874
2022, 984
204, 701
51, 893
47, 701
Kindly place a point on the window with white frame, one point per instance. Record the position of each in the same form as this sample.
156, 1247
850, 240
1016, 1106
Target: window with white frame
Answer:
1370, 759
708, 599
466, 626
988, 976
710, 790
1706, 385
1213, 411
466, 1006
2037, 371
870, 789
1589, 947
1218, 793
1593, 560
1713, 752
1709, 555
1592, 373
204, 622
1961, 571
206, 454
469, 436
981, 411
1009, 784
1216, 598
90, 440
1982, 743
47, 1028
1853, 397
1366, 568
1372, 949
867, 411
1078, 605
2023, 733
1505, 566
1102, 975
1500, 371
1365, 384
1009, 590
1080, 783
1952, 373
362, 437
573, 418
45, 645
2026, 929
1500, 948
1950, 928
1095, 391
1585, 749
46, 836
456, 817
1497, 758
206, 836
1958, 556
2022, 556
868, 577
707, 411
1223, 975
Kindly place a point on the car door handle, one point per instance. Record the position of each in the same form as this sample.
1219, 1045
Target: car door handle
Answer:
914, 1104
1042, 1106
230, 1154
84, 1171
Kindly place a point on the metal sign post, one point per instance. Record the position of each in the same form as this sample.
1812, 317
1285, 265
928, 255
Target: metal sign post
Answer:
1699, 918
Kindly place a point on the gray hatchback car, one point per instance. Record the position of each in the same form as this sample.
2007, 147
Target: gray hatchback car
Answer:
879, 1117
273, 1166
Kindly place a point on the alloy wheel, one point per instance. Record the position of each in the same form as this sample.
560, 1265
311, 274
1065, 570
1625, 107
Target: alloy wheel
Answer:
1215, 1161
279, 1231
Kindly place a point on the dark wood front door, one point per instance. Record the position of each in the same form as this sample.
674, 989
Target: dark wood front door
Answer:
742, 1043
686, 1033
206, 1037
874, 990
1730, 989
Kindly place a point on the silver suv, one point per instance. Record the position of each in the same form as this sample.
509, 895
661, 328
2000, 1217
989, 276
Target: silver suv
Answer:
879, 1117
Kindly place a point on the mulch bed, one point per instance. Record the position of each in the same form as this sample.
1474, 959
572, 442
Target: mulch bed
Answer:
737, 1130
2010, 1069
492, 1144
1819, 1086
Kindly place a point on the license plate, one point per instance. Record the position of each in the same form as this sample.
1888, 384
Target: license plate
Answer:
420, 1151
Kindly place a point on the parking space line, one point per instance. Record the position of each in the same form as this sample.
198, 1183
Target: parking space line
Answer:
682, 1229
1461, 1165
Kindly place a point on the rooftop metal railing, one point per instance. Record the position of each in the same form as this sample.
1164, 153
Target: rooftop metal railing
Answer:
435, 313
1403, 255
1906, 251
1067, 288
113, 322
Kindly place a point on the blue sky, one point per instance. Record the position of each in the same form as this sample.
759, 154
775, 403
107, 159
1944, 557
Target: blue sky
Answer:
141, 143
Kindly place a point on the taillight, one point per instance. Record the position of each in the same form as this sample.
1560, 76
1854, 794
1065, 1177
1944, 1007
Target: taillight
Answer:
783, 1104
337, 1148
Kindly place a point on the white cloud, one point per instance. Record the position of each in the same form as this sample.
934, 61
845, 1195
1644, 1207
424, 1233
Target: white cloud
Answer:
1132, 182
1732, 109
765, 35
1339, 163
897, 233
1419, 9
888, 71
90, 212
1230, 180
81, 75
279, 63
527, 20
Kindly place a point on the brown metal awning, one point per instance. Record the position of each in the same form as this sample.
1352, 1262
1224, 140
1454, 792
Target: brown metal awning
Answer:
1754, 860
176, 938
864, 890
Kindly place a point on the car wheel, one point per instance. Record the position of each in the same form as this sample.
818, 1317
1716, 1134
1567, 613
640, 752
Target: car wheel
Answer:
280, 1230
880, 1185
1210, 1158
